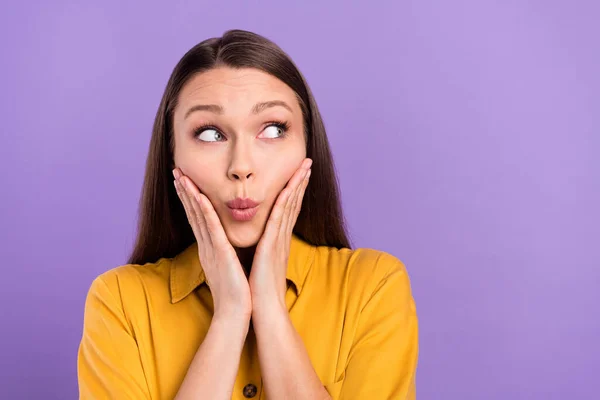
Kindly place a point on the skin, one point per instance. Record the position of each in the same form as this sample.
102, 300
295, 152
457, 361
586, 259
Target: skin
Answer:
244, 157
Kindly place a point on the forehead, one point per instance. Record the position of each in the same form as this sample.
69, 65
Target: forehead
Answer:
235, 89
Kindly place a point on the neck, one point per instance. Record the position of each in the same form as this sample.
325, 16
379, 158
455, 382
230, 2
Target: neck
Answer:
246, 256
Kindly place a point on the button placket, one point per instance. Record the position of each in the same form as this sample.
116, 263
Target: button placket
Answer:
250, 390
254, 380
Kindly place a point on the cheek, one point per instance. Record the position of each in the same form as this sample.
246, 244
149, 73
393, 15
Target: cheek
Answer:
208, 186
279, 176
195, 166
201, 177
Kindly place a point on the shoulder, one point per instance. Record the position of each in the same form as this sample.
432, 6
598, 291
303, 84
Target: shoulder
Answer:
363, 263
129, 284
363, 271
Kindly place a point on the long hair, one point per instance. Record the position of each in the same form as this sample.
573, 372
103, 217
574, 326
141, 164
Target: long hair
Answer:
163, 229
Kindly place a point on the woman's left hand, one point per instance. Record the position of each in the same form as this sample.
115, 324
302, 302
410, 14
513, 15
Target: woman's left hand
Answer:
269, 268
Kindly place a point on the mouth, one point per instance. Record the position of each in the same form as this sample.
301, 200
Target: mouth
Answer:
243, 214
242, 209
238, 202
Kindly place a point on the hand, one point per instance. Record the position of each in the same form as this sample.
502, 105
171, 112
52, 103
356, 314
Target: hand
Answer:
268, 274
224, 273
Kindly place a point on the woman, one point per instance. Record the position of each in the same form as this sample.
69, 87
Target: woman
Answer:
242, 282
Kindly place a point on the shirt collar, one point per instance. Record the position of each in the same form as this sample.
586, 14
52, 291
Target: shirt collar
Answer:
187, 273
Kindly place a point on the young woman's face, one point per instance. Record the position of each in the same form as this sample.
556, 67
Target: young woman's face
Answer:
242, 151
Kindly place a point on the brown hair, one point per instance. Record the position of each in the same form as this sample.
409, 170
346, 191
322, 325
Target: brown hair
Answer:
163, 228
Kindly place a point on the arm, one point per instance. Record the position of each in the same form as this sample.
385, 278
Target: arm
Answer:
285, 365
213, 370
383, 359
109, 364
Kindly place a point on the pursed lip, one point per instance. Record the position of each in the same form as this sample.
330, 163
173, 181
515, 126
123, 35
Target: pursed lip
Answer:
239, 203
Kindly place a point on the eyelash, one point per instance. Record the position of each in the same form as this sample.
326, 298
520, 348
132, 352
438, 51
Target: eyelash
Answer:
283, 125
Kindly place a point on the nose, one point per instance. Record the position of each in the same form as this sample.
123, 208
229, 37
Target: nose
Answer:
240, 167
240, 175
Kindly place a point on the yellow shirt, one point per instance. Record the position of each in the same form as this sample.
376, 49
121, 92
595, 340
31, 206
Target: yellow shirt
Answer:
353, 309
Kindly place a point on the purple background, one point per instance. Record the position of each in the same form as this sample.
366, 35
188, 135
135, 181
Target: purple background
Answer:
465, 134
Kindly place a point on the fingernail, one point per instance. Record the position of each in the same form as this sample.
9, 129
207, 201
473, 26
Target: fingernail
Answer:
309, 164
176, 173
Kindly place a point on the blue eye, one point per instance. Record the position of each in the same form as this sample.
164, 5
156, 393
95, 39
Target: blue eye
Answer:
205, 133
281, 126
210, 133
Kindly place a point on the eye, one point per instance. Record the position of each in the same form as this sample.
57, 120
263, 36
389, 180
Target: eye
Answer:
273, 130
208, 134
278, 129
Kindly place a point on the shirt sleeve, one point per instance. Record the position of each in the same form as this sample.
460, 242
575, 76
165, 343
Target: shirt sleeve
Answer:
108, 362
383, 359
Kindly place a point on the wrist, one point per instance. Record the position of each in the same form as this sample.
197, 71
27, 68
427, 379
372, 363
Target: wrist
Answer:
232, 324
232, 315
269, 310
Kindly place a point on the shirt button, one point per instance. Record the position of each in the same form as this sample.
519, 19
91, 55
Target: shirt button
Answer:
249, 390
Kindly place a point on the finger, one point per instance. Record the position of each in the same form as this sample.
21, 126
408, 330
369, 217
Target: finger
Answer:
274, 222
196, 204
185, 202
296, 183
195, 210
210, 219
291, 207
300, 173
179, 189
181, 192
278, 212
298, 205
189, 212
213, 223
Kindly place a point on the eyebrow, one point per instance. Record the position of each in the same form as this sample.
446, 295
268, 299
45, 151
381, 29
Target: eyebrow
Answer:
257, 109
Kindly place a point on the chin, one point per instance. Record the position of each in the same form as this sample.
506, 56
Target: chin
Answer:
243, 235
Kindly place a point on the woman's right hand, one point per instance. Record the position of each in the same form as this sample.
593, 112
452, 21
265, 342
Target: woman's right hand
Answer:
223, 271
